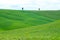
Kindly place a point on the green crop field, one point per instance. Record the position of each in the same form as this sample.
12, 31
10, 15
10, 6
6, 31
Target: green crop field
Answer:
29, 25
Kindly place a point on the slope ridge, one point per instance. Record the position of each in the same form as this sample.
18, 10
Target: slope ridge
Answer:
11, 19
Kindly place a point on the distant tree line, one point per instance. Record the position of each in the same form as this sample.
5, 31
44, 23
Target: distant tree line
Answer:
23, 8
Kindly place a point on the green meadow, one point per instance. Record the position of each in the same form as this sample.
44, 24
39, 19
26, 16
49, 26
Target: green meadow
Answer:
29, 25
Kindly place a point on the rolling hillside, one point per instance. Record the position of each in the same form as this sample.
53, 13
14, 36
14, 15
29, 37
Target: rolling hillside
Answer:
12, 19
29, 25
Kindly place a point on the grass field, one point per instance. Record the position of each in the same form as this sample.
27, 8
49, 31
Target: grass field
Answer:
29, 25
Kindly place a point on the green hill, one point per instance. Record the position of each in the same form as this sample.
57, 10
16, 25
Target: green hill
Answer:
29, 25
13, 19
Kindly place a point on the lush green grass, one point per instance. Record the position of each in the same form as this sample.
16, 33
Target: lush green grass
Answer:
12, 19
50, 31
31, 25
